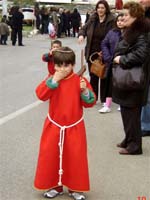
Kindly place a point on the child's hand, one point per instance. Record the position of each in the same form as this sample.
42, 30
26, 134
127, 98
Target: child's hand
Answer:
82, 84
100, 54
51, 50
59, 75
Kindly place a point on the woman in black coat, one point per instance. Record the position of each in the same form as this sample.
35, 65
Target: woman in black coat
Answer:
132, 52
75, 21
94, 31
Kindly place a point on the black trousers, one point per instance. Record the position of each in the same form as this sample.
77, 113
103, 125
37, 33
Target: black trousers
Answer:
94, 81
17, 32
3, 39
75, 30
59, 30
131, 118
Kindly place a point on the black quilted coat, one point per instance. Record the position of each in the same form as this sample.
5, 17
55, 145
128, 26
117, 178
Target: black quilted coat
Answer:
134, 50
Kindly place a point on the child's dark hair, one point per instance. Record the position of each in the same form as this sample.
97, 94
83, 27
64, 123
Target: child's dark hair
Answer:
119, 15
64, 55
56, 42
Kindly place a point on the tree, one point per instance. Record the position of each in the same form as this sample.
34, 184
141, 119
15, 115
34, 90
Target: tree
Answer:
23, 2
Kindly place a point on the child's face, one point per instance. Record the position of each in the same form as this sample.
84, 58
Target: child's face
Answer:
55, 46
64, 68
120, 22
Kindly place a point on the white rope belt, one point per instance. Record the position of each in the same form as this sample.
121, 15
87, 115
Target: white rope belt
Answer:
61, 143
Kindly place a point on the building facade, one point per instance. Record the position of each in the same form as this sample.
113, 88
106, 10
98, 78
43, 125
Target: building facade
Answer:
111, 2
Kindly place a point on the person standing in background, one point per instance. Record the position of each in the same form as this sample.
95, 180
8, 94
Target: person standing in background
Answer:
145, 115
95, 30
54, 18
75, 21
17, 26
60, 23
44, 20
4, 31
87, 16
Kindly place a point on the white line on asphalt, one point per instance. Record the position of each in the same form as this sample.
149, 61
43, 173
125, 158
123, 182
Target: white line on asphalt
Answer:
15, 114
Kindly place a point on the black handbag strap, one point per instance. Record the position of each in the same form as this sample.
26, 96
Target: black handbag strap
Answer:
93, 54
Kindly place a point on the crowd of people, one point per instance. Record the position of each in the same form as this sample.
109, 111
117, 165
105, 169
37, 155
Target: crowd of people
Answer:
66, 22
120, 41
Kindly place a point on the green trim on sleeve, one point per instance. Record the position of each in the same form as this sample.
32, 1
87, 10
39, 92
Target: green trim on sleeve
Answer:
88, 99
51, 84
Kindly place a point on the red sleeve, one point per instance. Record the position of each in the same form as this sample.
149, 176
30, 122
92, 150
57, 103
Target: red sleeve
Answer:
47, 57
87, 105
43, 92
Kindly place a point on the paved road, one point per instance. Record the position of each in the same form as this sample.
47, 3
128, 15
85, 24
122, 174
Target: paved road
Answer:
21, 68
113, 176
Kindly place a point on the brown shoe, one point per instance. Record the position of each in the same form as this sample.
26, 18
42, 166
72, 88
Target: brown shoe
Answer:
124, 151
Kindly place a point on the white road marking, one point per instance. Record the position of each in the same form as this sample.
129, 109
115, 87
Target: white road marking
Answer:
15, 114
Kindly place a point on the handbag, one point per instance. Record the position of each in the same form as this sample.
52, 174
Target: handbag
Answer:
128, 79
97, 66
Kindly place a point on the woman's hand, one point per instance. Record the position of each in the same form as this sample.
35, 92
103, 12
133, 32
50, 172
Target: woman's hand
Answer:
100, 54
117, 59
80, 39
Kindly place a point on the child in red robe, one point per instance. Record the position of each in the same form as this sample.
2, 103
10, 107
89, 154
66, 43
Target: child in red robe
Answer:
62, 157
47, 57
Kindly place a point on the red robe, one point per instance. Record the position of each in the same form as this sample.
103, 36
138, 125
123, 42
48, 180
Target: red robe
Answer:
50, 63
66, 108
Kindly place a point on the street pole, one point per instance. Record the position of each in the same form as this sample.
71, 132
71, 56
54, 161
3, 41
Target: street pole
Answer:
4, 7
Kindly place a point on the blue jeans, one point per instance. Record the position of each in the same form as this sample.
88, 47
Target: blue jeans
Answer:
145, 115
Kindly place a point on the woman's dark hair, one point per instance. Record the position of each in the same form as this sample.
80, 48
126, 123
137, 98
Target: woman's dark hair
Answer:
75, 10
105, 4
64, 55
119, 15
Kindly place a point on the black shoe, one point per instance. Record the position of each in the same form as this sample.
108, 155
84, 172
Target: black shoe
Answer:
21, 45
145, 133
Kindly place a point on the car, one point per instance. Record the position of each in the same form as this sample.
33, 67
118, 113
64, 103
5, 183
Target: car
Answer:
29, 16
